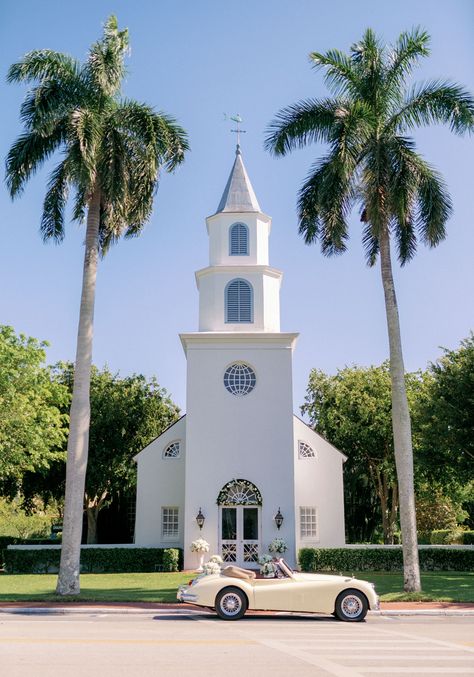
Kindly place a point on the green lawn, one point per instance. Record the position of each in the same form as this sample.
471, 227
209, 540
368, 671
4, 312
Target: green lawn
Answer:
157, 587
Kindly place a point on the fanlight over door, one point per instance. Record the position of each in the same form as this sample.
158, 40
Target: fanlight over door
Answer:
239, 507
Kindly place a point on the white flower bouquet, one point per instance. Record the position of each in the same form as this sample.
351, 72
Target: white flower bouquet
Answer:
199, 545
278, 545
267, 567
211, 568
217, 559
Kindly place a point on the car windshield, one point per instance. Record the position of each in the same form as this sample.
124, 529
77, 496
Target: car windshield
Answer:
285, 567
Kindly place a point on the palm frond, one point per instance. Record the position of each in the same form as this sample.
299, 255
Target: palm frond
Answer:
434, 206
43, 64
410, 46
105, 66
86, 132
370, 244
339, 73
171, 141
52, 221
305, 122
27, 154
435, 102
324, 203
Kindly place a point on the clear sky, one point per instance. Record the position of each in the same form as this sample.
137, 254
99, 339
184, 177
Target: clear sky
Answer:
197, 60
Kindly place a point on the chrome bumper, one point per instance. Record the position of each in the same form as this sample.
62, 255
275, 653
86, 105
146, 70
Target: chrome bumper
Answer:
184, 595
376, 606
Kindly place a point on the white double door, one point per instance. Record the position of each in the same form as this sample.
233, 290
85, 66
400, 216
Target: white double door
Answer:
239, 528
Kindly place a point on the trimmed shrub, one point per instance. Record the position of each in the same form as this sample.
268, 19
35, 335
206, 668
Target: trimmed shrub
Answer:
383, 559
95, 560
468, 537
447, 537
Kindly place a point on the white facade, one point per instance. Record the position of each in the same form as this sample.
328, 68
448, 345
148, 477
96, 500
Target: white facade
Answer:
239, 423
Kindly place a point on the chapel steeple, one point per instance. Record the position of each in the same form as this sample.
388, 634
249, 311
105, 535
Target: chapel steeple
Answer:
239, 291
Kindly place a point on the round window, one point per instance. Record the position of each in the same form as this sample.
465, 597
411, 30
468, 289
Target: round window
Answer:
239, 379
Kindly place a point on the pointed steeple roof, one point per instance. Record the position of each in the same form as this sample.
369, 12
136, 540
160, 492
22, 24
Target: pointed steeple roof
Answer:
238, 195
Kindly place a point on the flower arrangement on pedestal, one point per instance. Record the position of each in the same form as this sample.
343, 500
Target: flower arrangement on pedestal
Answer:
278, 545
200, 546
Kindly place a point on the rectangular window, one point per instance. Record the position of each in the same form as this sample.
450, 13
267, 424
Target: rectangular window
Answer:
308, 523
170, 522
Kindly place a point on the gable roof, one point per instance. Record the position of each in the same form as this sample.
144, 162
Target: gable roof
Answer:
158, 437
315, 432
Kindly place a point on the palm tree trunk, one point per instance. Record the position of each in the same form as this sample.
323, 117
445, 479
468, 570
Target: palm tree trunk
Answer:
401, 424
77, 448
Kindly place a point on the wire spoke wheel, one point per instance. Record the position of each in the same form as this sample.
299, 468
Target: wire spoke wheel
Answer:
351, 605
231, 604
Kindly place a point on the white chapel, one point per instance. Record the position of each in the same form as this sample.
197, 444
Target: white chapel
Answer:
239, 458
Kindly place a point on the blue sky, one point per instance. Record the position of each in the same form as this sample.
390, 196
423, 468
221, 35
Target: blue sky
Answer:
197, 60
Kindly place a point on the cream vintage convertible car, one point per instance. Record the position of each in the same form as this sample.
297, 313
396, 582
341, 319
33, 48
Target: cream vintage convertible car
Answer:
234, 590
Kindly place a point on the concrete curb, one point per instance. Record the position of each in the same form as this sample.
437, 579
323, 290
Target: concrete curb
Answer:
173, 610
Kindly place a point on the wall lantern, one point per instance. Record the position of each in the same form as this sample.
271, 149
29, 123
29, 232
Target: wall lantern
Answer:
200, 519
278, 519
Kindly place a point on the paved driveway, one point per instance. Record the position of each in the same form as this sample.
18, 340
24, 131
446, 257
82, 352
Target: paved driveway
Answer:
186, 643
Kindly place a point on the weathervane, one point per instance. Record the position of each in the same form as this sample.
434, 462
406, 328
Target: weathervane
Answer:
238, 131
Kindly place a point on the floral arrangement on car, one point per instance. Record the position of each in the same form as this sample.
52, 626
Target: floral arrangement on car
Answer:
210, 568
199, 545
278, 545
267, 566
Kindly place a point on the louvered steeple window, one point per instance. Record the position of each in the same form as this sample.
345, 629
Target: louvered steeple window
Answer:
238, 301
239, 240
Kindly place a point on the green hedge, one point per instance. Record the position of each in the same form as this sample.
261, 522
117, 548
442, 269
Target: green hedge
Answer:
383, 559
95, 560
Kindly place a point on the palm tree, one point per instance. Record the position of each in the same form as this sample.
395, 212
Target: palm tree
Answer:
112, 153
372, 162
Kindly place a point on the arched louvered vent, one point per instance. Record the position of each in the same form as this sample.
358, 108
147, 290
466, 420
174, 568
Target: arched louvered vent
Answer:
238, 302
239, 240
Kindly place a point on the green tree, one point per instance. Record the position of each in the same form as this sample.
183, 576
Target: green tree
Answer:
113, 150
126, 415
447, 416
33, 429
352, 409
373, 163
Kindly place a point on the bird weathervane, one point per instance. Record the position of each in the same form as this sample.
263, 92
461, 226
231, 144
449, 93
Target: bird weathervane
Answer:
238, 120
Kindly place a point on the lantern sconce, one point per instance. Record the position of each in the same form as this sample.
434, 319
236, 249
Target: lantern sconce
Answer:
200, 519
278, 519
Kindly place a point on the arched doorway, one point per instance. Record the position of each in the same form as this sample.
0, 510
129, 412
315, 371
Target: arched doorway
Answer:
240, 504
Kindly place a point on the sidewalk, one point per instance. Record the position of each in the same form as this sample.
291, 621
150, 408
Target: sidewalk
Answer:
386, 608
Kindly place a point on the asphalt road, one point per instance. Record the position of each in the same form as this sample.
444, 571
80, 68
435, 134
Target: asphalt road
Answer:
181, 643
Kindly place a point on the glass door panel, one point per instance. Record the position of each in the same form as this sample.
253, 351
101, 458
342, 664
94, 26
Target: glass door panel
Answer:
229, 534
250, 524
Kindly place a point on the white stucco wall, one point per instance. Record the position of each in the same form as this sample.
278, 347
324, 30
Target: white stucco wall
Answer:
319, 484
160, 483
265, 283
249, 437
218, 227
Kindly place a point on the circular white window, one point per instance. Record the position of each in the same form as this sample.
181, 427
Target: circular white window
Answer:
239, 379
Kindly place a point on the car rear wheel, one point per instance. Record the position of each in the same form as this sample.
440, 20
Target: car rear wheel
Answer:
231, 604
351, 605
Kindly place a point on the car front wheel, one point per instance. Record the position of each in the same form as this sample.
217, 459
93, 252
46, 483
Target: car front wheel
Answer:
351, 605
231, 604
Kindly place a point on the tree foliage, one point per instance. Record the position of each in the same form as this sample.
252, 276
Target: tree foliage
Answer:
447, 416
33, 422
352, 409
127, 413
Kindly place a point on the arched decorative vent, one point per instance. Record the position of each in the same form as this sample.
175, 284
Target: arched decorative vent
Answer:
239, 379
305, 451
239, 492
239, 301
172, 450
239, 240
